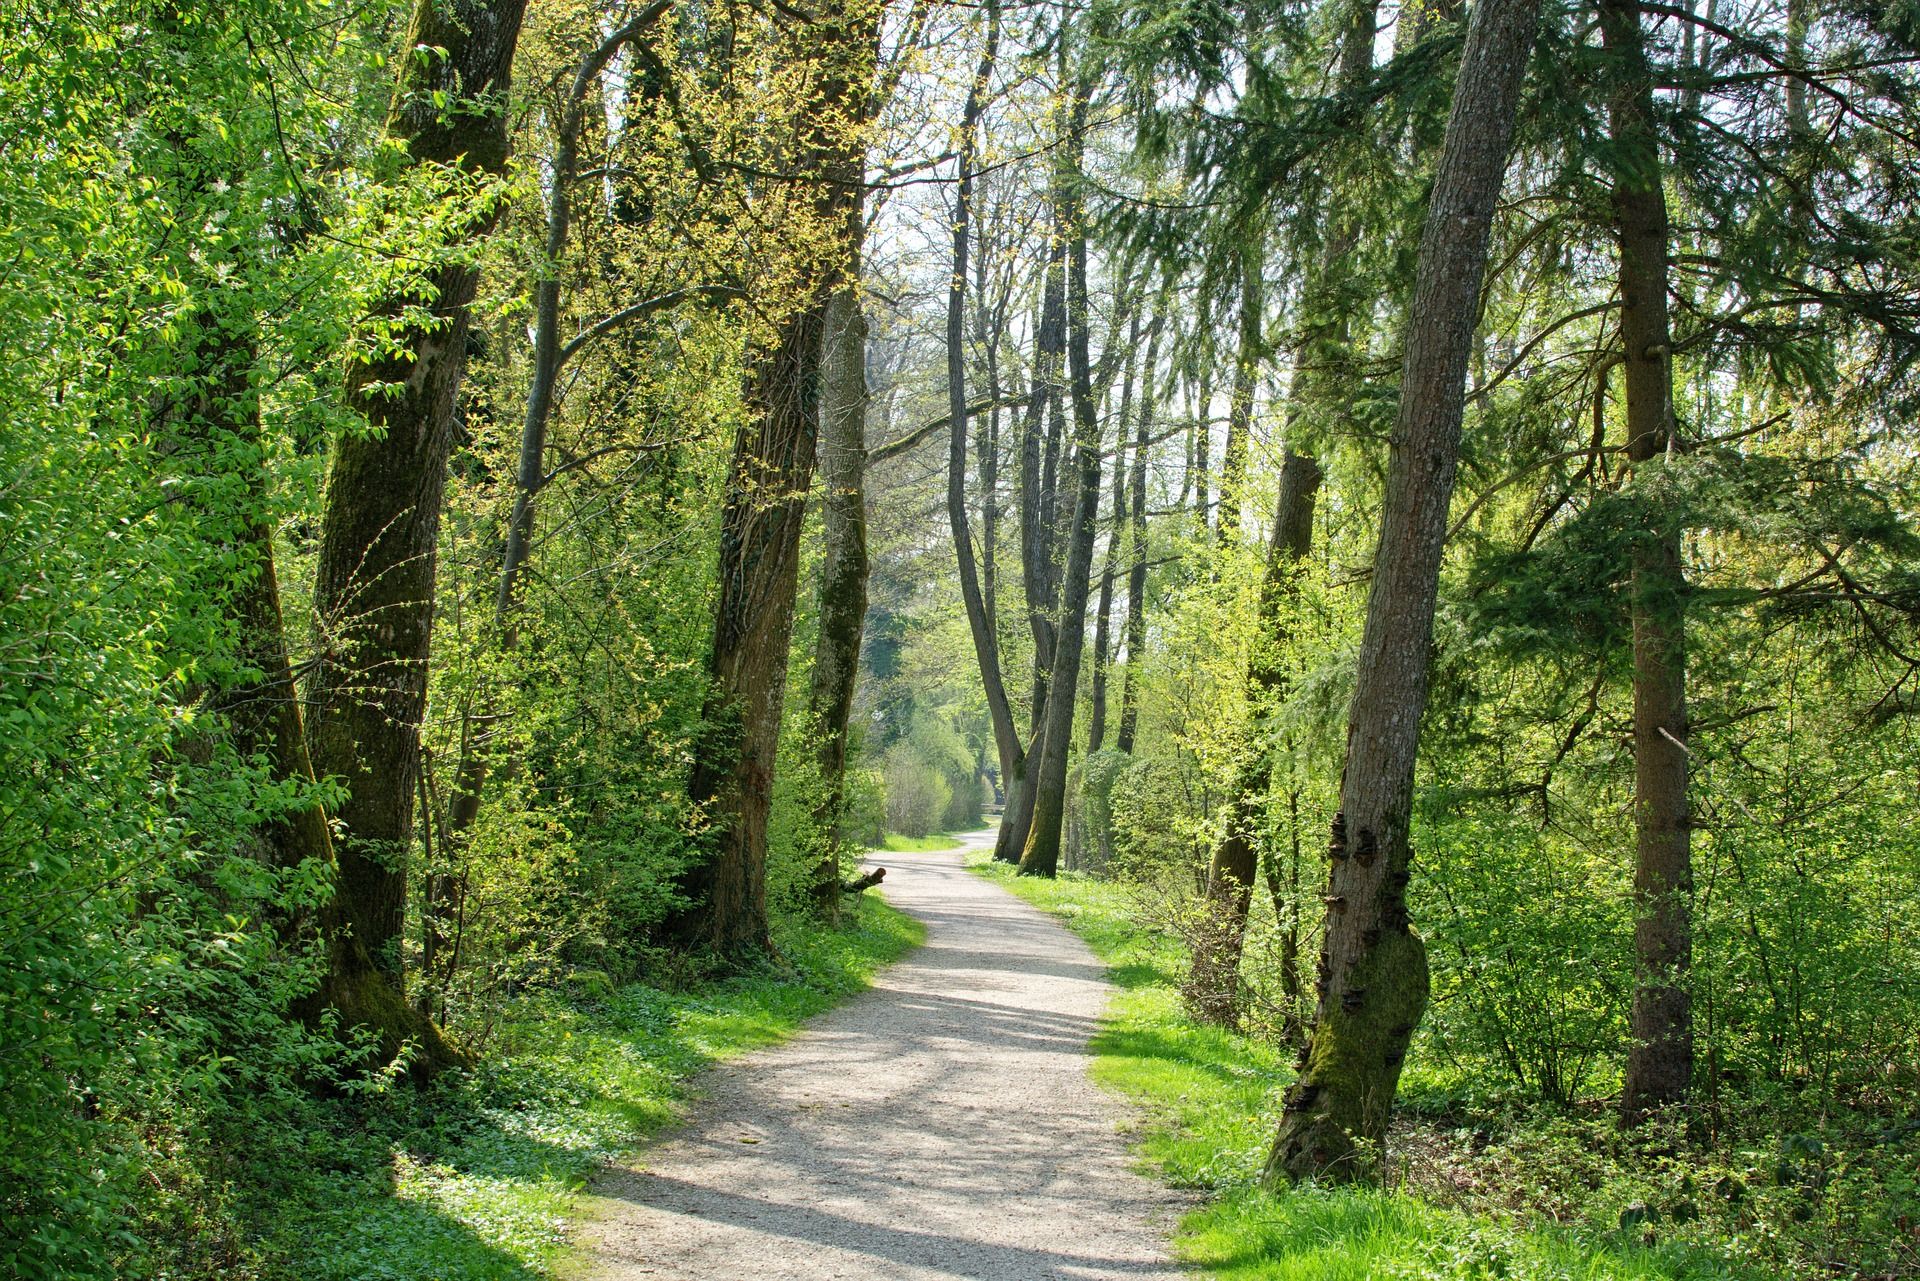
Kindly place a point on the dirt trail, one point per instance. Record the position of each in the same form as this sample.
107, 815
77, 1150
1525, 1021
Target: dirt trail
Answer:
940, 1125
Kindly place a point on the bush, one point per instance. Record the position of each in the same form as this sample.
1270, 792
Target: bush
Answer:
917, 793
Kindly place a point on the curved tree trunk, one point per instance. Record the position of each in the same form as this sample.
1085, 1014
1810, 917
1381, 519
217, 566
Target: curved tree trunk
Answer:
1373, 971
374, 583
1660, 1057
981, 622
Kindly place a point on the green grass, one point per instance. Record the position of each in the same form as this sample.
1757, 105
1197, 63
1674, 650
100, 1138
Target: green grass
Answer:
898, 844
475, 1179
1211, 1100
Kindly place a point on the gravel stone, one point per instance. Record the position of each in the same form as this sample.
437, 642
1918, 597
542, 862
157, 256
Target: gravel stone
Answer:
939, 1125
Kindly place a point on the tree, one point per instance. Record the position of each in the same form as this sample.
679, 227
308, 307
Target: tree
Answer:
1040, 855
725, 907
1660, 1060
1136, 625
374, 587
1373, 972
1213, 983
981, 623
843, 569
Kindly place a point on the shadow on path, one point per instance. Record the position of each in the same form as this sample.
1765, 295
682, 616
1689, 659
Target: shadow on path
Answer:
940, 1125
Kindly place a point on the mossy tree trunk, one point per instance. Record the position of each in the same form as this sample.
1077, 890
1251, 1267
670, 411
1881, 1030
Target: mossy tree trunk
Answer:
1373, 971
374, 582
725, 894
843, 567
1660, 1057
843, 469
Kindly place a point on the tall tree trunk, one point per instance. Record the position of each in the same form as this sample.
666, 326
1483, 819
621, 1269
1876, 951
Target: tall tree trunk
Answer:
843, 569
1660, 1058
725, 895
374, 583
1136, 632
264, 717
1212, 989
843, 472
1246, 367
1374, 969
1037, 568
548, 358
1040, 856
981, 622
1116, 527
1200, 447
987, 336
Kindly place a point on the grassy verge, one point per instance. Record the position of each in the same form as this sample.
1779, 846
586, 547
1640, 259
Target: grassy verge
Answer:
1211, 1099
898, 844
475, 1179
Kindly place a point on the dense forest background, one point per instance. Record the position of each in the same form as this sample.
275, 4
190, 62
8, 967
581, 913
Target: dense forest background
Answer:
501, 502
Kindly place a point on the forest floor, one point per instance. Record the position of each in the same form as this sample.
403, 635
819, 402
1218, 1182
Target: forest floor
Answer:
478, 1177
940, 1125
1475, 1192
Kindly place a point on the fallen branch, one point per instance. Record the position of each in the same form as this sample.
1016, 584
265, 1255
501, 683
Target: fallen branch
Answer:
864, 883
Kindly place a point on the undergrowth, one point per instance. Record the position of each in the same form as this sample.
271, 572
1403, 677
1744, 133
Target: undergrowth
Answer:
898, 844
473, 1180
1579, 1210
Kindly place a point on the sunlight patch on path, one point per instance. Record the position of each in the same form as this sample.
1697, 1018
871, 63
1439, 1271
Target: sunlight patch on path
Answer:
941, 1125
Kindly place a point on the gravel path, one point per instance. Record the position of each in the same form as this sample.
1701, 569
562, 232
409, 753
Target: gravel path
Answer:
940, 1125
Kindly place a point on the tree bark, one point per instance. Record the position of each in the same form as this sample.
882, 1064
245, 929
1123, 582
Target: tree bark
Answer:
981, 622
843, 569
1246, 367
1040, 856
1212, 990
1660, 1056
1136, 631
374, 583
1038, 574
725, 895
843, 467
1373, 971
